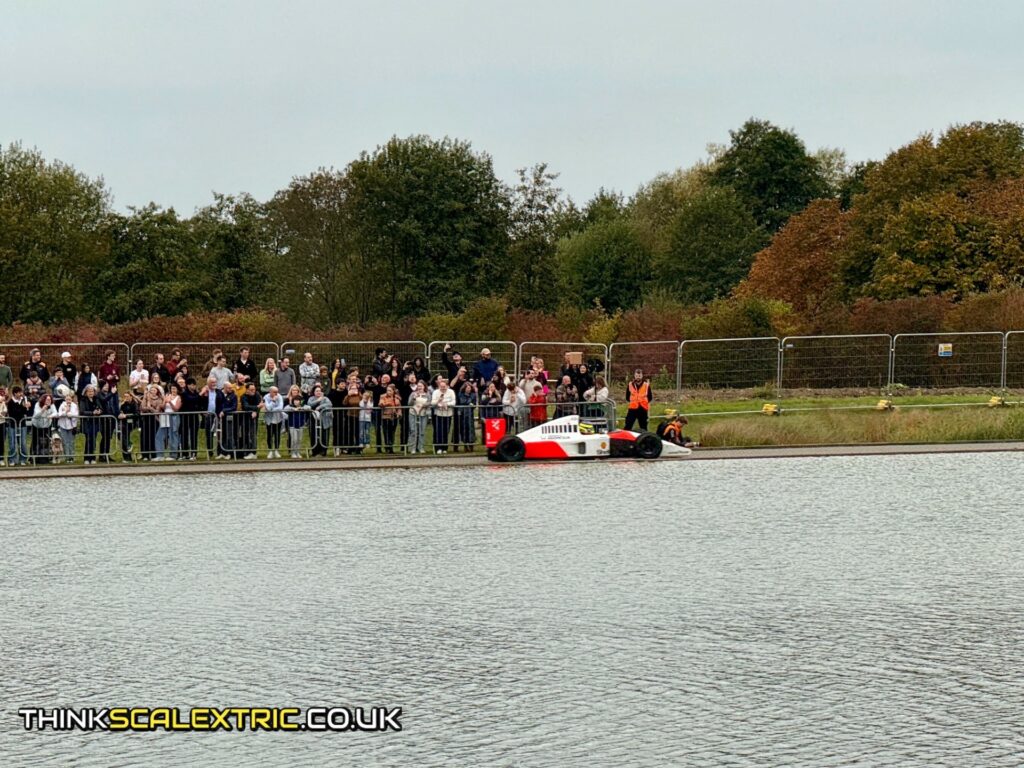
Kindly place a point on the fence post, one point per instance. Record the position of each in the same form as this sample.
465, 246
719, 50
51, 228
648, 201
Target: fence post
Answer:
1002, 371
778, 375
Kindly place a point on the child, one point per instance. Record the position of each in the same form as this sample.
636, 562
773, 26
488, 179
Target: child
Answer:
365, 418
298, 417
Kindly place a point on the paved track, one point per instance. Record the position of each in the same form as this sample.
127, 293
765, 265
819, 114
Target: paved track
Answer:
474, 460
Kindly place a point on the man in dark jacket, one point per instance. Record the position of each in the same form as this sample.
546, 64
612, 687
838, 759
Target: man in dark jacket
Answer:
34, 363
246, 365
212, 404
451, 360
485, 368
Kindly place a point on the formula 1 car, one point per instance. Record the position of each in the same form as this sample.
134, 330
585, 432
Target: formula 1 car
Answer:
573, 437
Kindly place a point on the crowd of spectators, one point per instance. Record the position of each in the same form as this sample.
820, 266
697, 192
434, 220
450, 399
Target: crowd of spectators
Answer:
170, 409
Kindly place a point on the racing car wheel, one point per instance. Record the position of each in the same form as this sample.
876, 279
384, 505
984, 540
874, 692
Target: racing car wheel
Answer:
510, 448
647, 445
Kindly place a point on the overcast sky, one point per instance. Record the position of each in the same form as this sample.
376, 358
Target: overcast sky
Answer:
171, 101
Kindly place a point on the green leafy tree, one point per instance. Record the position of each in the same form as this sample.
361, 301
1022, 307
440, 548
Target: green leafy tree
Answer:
606, 265
770, 171
714, 239
534, 215
320, 271
656, 204
235, 246
52, 237
155, 268
433, 216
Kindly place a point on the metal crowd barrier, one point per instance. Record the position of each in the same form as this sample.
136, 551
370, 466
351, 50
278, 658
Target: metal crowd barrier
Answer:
739, 363
355, 353
660, 360
553, 353
93, 354
200, 354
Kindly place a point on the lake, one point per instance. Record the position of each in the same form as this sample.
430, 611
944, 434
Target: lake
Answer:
821, 611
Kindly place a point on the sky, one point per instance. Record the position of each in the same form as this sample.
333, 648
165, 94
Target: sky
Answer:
172, 101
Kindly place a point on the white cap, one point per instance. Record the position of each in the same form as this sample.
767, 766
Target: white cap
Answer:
65, 354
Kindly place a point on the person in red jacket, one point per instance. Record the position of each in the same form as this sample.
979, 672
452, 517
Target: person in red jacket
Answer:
538, 403
640, 395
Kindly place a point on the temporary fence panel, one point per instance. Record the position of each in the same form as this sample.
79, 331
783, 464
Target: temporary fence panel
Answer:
91, 439
740, 363
1013, 360
553, 354
948, 360
503, 352
835, 362
359, 354
659, 360
93, 354
200, 354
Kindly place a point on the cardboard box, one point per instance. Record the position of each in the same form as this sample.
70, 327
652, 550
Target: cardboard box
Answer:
575, 358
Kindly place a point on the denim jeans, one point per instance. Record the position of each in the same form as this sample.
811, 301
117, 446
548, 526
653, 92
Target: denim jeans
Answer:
67, 436
17, 444
161, 442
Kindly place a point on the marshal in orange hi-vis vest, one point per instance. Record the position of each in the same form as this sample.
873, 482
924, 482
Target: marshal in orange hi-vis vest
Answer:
638, 396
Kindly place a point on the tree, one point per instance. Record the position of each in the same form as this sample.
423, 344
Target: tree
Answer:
234, 241
155, 268
52, 237
657, 204
964, 159
433, 217
606, 205
714, 239
536, 207
770, 171
320, 272
606, 265
801, 265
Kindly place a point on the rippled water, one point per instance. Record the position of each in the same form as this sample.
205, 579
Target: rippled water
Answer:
773, 612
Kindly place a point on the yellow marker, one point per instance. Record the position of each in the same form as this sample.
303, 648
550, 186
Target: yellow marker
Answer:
770, 409
884, 405
996, 401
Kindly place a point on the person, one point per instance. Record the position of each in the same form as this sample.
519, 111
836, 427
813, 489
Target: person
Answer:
109, 408
34, 363
86, 378
465, 404
671, 430
529, 383
90, 412
58, 387
366, 411
229, 424
390, 413
139, 377
538, 407
250, 403
484, 368
174, 363
42, 425
584, 379
351, 441
273, 417
298, 417
451, 360
513, 404
110, 371
419, 368
597, 398
309, 375
336, 397
5, 423
378, 388
212, 409
68, 370
34, 387
267, 376
320, 424
245, 365
566, 397
222, 373
419, 417
19, 411
443, 402
338, 373
284, 375
150, 408
569, 368
381, 362
67, 424
490, 404
640, 396
159, 367
127, 420
168, 447
6, 374
192, 405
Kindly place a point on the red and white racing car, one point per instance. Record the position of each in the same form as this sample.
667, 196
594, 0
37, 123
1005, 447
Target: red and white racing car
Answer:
572, 437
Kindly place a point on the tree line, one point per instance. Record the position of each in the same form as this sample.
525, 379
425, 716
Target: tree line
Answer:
422, 226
